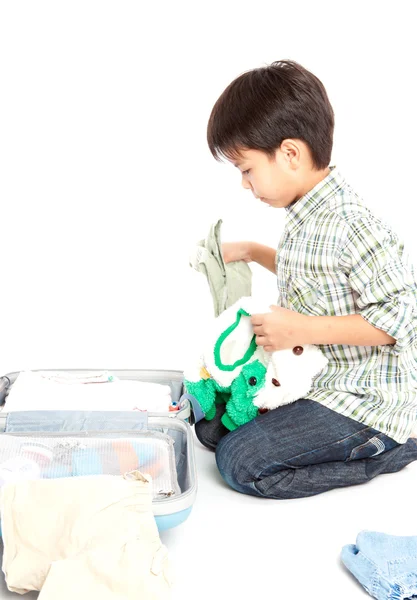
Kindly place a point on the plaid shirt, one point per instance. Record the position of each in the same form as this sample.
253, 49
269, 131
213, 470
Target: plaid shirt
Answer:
336, 258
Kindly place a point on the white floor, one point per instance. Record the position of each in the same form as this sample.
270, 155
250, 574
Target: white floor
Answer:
236, 546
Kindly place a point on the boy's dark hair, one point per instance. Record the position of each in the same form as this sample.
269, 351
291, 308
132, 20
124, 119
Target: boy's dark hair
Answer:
265, 106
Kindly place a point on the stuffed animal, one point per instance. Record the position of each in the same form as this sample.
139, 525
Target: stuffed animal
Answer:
235, 371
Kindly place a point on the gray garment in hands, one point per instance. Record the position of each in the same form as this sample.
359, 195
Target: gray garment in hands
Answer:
228, 282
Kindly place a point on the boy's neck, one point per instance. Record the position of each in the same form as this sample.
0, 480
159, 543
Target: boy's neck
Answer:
312, 180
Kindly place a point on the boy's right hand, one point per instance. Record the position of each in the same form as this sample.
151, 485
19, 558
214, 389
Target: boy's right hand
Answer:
234, 251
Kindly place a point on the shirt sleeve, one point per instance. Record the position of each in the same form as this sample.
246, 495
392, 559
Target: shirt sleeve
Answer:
382, 279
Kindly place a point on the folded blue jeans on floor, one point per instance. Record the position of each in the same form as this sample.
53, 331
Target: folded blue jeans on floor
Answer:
386, 565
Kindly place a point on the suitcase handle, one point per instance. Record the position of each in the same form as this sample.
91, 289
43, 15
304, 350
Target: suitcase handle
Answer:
4, 386
197, 413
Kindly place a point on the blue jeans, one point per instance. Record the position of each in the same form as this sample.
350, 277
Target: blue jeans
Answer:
386, 565
301, 449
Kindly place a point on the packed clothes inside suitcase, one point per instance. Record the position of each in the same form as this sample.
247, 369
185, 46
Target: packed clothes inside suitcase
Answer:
93, 464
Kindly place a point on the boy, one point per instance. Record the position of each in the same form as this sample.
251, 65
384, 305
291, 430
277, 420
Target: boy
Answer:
344, 284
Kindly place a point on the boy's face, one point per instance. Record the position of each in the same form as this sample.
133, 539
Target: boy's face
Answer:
274, 181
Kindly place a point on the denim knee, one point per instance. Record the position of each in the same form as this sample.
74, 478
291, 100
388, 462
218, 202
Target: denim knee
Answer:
233, 464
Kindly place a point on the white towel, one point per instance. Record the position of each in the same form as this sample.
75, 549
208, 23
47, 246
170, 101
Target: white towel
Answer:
35, 391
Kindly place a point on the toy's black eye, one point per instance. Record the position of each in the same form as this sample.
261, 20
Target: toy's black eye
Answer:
298, 350
253, 381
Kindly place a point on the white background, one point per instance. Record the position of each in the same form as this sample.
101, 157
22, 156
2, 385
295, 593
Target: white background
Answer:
107, 183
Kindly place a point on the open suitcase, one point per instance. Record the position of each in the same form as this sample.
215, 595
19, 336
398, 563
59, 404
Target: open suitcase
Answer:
87, 443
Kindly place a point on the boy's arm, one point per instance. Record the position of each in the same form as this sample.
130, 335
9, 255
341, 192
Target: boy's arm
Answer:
263, 255
353, 330
385, 285
250, 251
383, 279
283, 328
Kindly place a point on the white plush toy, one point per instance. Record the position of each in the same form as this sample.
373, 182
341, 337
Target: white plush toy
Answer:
289, 375
233, 369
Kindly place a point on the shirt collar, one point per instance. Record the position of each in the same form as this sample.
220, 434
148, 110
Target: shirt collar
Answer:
301, 210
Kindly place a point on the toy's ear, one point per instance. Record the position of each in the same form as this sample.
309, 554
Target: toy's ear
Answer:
232, 343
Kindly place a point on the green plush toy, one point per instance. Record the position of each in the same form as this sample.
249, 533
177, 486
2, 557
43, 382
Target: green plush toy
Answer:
235, 371
238, 397
240, 407
231, 371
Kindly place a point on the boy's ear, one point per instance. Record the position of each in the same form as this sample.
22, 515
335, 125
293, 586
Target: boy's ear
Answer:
291, 152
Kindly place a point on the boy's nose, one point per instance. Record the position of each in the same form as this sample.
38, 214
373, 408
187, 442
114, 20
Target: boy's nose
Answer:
246, 184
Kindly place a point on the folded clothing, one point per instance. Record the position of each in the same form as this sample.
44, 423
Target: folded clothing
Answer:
18, 469
71, 378
29, 457
386, 565
43, 391
227, 282
85, 537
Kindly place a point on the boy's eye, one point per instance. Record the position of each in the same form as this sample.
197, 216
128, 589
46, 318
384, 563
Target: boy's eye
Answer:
246, 172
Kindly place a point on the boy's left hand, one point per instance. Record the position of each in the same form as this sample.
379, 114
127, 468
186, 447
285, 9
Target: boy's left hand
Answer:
279, 329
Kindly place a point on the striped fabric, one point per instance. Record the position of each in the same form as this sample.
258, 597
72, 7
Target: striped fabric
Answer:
336, 258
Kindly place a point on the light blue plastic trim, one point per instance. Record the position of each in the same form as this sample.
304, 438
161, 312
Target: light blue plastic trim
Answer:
168, 521
75, 420
164, 522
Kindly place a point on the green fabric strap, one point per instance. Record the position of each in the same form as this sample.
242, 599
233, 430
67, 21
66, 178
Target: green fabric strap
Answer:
249, 352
